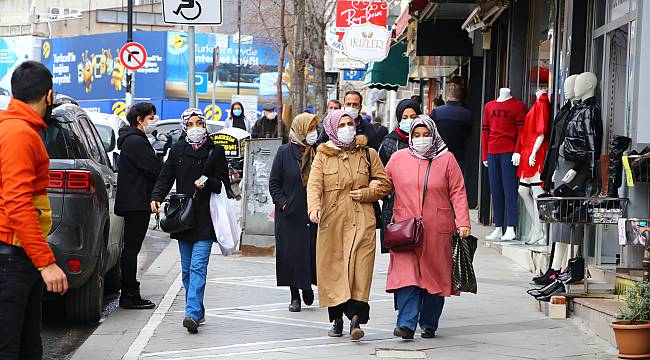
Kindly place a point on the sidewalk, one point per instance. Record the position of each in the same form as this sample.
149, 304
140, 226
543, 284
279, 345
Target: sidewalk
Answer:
247, 318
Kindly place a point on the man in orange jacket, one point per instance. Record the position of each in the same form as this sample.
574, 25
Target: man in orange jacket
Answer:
26, 260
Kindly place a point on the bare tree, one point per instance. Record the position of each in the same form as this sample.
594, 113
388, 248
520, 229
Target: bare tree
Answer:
320, 14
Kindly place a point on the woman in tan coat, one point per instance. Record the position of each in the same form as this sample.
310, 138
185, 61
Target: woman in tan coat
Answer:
340, 199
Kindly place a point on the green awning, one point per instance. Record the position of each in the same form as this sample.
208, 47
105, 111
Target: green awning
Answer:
390, 73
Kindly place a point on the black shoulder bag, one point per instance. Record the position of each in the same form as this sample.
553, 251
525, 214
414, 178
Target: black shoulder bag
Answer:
375, 205
179, 212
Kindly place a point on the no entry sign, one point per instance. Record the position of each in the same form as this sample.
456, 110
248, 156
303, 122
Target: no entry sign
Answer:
133, 56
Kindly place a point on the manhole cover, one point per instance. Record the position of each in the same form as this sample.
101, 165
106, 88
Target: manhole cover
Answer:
400, 354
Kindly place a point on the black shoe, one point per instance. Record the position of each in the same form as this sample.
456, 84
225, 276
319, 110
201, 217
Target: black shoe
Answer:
191, 325
556, 288
546, 278
129, 300
337, 328
294, 306
201, 321
428, 334
355, 330
308, 297
404, 332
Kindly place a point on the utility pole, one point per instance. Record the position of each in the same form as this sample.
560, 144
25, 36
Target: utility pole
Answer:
238, 46
299, 56
130, 78
215, 76
191, 74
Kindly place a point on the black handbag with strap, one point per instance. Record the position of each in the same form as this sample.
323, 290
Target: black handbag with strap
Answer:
179, 213
463, 278
375, 205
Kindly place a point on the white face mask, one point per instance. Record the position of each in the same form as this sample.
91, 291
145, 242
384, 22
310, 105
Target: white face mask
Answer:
196, 135
422, 144
354, 112
346, 135
271, 116
312, 137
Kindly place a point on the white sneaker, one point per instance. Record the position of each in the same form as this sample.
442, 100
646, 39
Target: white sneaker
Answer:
496, 234
509, 235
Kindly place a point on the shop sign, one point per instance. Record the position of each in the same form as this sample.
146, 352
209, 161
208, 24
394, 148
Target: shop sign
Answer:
349, 13
367, 43
341, 61
229, 143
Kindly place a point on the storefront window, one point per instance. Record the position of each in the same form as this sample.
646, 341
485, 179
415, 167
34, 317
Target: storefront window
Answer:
542, 42
619, 8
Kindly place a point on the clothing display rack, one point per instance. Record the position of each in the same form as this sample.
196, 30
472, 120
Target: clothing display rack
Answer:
587, 211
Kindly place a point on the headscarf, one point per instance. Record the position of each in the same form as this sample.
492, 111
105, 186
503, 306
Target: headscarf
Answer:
331, 125
298, 133
185, 117
407, 104
438, 146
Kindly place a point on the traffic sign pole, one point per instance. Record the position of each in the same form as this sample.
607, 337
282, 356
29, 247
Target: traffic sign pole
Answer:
130, 79
215, 69
192, 67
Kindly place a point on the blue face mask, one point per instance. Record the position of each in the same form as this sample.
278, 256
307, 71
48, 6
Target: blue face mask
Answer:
405, 125
236, 112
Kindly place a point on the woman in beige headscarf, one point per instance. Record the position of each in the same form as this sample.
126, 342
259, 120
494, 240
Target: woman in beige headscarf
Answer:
295, 235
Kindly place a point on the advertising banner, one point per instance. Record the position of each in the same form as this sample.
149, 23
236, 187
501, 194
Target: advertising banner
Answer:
366, 43
13, 51
258, 72
352, 14
89, 68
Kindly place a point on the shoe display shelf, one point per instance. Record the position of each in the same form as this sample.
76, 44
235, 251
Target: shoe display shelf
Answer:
590, 212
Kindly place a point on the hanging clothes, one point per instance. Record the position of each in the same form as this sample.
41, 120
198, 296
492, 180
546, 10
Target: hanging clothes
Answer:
536, 124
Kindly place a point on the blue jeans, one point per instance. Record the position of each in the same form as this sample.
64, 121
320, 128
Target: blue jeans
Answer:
503, 186
416, 305
194, 262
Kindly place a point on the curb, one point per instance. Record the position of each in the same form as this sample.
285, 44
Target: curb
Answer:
117, 333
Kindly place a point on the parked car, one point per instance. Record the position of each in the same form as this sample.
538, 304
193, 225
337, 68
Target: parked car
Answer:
86, 235
108, 126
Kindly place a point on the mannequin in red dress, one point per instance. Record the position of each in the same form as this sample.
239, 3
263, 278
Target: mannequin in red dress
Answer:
529, 155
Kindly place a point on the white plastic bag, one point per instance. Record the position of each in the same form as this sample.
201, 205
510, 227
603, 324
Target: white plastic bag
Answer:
224, 220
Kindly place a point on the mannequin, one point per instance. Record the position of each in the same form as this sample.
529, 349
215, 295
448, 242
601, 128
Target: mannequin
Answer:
503, 121
533, 143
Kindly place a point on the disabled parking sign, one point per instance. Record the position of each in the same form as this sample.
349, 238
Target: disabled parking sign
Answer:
193, 12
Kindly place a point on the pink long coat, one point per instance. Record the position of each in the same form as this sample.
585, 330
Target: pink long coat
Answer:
429, 266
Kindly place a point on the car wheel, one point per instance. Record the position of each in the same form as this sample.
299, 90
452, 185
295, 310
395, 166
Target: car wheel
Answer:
113, 280
84, 305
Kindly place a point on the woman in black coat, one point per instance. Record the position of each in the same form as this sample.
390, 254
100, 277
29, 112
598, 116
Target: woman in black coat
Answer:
295, 235
188, 161
138, 169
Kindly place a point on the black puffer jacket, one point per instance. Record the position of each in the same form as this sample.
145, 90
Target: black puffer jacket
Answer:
556, 139
392, 142
583, 136
185, 165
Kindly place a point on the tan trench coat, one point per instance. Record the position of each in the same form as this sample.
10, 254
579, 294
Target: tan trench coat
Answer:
345, 247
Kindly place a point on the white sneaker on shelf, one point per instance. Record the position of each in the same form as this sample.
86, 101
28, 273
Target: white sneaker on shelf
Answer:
495, 235
509, 235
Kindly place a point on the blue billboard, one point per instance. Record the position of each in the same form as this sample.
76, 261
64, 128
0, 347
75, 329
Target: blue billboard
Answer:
259, 66
89, 68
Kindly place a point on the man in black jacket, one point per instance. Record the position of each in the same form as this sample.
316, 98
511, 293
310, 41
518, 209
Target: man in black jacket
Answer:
139, 168
454, 124
268, 127
352, 104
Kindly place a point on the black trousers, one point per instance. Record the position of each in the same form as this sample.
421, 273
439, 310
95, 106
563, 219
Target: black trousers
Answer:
351, 308
21, 290
135, 229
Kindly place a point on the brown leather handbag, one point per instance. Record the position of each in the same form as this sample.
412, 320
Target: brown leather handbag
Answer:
407, 234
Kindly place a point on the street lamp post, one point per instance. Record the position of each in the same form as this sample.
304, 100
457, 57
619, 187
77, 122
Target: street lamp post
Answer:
238, 45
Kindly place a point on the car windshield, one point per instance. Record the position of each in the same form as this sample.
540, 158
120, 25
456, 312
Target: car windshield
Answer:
107, 135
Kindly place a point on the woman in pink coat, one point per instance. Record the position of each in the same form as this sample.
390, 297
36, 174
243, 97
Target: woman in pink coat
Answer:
421, 278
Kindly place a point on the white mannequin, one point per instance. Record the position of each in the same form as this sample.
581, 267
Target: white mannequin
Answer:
533, 190
585, 88
504, 95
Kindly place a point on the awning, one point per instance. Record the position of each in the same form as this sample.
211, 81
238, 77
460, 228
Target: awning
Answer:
390, 73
